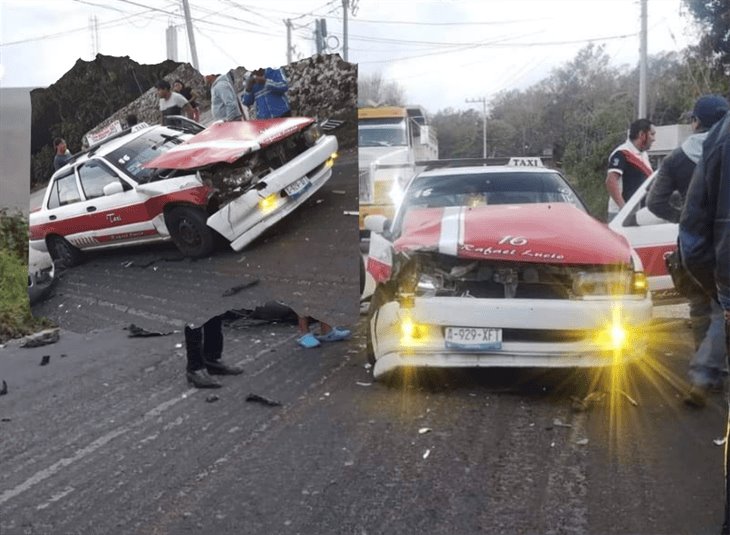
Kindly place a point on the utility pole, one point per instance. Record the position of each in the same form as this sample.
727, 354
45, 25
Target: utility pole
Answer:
288, 40
642, 62
345, 7
94, 29
191, 35
483, 100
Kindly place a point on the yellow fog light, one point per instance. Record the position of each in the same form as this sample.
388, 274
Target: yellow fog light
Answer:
412, 333
641, 284
268, 203
331, 160
615, 336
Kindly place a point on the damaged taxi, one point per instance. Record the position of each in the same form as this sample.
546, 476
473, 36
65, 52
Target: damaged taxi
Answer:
501, 267
158, 183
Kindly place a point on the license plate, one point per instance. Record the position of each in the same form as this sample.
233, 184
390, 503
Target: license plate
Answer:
474, 338
296, 188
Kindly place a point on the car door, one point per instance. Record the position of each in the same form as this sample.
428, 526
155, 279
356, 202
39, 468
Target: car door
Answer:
652, 239
117, 216
64, 213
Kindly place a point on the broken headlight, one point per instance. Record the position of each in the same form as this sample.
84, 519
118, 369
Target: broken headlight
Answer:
311, 135
622, 282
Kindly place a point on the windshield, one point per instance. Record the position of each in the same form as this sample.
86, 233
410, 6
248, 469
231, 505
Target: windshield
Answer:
488, 189
141, 150
382, 136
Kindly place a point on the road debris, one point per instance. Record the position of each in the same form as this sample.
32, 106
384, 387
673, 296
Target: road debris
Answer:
4, 389
212, 398
559, 423
339, 192
261, 399
6, 419
139, 332
363, 384
426, 454
45, 360
235, 289
350, 212
582, 405
424, 430
582, 441
367, 366
43, 338
631, 400
720, 441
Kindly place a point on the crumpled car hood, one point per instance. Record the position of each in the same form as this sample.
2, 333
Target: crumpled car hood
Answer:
227, 142
556, 233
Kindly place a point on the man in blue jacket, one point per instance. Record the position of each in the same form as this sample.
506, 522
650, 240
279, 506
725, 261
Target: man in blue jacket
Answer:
267, 88
704, 241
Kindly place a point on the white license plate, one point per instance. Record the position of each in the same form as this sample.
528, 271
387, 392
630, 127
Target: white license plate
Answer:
296, 188
475, 338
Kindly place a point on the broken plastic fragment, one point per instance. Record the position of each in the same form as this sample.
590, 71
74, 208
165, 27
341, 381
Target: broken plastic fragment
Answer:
139, 332
363, 384
211, 398
45, 360
424, 430
720, 441
426, 454
261, 399
582, 441
4, 389
558, 423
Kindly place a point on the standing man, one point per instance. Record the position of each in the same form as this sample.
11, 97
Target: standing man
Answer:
267, 88
704, 237
628, 165
172, 103
224, 103
62, 154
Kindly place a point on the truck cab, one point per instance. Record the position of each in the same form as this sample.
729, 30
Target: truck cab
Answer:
392, 140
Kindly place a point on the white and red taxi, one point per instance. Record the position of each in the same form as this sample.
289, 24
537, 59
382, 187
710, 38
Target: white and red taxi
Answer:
652, 238
155, 183
501, 266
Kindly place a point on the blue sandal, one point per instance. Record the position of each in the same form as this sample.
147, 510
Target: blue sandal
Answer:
308, 341
335, 335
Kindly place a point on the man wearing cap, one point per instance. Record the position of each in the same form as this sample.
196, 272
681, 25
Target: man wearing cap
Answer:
704, 242
708, 366
223, 98
172, 103
628, 165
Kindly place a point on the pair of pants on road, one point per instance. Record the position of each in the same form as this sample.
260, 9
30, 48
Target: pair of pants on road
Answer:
709, 365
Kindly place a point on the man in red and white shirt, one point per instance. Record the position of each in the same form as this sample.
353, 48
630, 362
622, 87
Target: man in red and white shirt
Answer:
628, 165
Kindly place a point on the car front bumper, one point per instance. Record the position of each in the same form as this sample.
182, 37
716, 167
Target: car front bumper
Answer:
243, 220
532, 332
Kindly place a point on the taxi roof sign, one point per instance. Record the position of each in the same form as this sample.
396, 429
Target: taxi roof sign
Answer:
525, 161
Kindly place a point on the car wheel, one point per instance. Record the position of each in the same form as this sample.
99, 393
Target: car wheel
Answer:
62, 252
189, 232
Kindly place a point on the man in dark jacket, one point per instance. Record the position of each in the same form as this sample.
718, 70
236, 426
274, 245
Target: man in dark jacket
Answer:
704, 240
669, 188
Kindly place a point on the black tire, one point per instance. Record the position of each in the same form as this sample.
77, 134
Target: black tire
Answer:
62, 252
189, 232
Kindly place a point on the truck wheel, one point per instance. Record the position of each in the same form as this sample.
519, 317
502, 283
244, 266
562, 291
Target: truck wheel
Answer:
189, 232
62, 252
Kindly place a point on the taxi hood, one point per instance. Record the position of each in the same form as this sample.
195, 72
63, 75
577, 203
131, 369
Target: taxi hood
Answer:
558, 233
226, 142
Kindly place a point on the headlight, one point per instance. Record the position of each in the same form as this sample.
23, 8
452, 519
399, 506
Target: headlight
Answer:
412, 334
610, 283
312, 134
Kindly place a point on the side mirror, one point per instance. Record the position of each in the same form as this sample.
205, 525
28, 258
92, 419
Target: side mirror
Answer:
113, 188
377, 223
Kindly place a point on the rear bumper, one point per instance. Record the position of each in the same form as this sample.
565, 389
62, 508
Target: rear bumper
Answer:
241, 221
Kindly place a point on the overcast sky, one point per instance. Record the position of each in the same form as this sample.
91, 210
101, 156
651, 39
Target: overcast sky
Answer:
441, 52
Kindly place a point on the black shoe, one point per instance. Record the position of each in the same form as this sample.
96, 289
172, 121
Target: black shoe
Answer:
201, 379
696, 397
218, 367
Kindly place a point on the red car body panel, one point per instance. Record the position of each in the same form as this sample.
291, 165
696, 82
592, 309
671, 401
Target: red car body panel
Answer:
556, 233
227, 142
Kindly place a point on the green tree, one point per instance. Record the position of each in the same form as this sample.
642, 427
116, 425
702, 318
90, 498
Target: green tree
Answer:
713, 21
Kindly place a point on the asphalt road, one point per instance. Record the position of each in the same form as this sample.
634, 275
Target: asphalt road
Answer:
109, 439
308, 260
